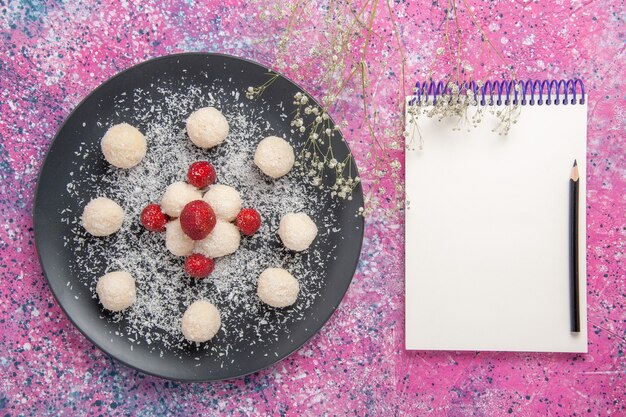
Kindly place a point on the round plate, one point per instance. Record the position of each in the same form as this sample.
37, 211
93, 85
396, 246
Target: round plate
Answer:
231, 353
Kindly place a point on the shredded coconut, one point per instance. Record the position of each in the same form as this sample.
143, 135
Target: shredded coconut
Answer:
163, 290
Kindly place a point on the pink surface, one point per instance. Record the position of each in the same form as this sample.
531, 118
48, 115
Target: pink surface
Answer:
53, 54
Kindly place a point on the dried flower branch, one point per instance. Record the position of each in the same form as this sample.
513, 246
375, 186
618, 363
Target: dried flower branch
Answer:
337, 53
255, 92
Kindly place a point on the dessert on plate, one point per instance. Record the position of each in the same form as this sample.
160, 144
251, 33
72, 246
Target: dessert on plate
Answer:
202, 219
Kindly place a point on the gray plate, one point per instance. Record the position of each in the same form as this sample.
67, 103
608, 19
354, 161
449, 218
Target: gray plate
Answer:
199, 69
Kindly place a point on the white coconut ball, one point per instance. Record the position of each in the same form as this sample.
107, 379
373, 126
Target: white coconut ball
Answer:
176, 241
297, 231
224, 200
176, 197
102, 217
123, 145
222, 241
116, 290
207, 127
201, 321
277, 287
274, 156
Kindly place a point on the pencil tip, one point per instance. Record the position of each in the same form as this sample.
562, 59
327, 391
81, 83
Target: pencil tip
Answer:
575, 171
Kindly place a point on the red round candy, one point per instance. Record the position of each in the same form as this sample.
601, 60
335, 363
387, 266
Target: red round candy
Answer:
201, 174
197, 219
199, 266
248, 221
153, 218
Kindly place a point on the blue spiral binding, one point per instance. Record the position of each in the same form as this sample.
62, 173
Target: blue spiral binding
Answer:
557, 92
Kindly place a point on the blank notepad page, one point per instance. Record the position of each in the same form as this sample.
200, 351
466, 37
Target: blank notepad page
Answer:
487, 233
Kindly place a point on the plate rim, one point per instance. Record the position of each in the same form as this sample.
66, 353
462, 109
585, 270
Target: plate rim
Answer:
37, 238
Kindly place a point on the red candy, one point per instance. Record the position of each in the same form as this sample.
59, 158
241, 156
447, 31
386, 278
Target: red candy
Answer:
153, 219
197, 219
248, 221
199, 266
201, 174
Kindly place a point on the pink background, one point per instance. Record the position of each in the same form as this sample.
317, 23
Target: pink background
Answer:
53, 54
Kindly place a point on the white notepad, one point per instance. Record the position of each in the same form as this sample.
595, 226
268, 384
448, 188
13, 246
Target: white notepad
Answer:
487, 234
